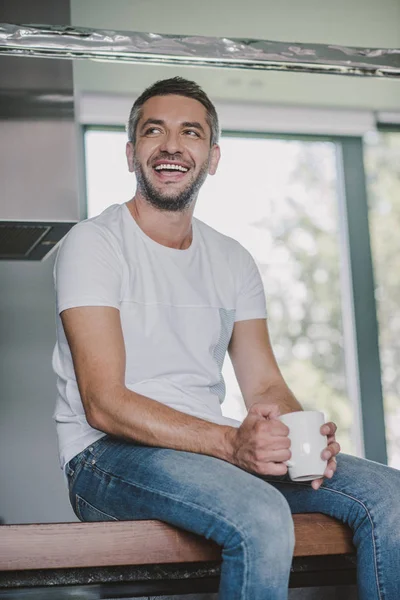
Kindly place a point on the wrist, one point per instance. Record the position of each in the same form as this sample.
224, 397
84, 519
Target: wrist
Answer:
228, 444
281, 396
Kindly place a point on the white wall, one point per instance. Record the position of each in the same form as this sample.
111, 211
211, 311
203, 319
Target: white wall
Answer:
31, 482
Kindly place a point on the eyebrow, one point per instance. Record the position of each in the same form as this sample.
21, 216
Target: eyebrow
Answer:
151, 122
192, 124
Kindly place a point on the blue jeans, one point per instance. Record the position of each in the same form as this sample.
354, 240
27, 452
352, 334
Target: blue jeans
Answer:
249, 516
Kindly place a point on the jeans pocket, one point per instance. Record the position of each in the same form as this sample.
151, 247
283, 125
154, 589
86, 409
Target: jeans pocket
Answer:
88, 456
74, 466
98, 448
87, 512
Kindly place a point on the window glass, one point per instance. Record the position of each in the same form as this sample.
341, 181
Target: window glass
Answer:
279, 199
108, 180
382, 162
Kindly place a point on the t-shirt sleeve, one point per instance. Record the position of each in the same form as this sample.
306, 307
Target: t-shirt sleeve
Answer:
250, 303
88, 269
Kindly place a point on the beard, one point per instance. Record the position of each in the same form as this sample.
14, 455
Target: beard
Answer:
177, 202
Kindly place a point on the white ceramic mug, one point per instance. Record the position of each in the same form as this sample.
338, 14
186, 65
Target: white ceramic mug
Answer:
307, 444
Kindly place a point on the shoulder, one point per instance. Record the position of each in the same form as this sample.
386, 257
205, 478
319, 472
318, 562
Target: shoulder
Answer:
226, 250
221, 243
95, 237
104, 226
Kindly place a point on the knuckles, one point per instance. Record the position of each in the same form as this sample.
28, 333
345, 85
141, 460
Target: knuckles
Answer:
335, 447
261, 427
332, 428
266, 427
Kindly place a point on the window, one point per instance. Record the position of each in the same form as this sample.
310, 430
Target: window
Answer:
282, 206
382, 161
279, 198
108, 180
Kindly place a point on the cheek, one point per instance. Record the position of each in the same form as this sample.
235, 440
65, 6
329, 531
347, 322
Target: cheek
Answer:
200, 156
146, 152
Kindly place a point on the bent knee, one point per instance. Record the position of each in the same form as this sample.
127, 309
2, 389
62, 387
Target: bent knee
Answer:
267, 523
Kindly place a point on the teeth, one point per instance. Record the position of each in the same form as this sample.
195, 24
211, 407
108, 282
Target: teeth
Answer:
171, 168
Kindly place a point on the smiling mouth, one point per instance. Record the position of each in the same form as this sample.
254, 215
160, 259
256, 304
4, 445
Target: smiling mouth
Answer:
170, 173
171, 167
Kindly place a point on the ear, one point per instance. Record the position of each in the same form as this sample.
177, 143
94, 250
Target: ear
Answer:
214, 159
130, 154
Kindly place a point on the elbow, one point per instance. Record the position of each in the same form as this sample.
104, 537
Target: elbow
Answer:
96, 421
102, 408
94, 414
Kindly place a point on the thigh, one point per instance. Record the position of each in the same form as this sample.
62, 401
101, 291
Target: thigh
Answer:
365, 495
359, 485
118, 480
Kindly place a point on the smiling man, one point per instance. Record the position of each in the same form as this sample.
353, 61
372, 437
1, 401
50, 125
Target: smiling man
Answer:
149, 299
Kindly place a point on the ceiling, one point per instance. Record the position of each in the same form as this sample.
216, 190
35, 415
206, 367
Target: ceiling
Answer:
362, 23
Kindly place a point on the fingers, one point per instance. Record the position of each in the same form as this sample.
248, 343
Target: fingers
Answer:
329, 429
275, 469
261, 458
332, 450
329, 473
273, 442
316, 484
278, 428
330, 468
268, 411
280, 455
274, 412
265, 428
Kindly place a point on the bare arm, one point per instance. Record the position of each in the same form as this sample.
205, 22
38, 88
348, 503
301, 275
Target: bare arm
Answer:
262, 384
256, 369
95, 338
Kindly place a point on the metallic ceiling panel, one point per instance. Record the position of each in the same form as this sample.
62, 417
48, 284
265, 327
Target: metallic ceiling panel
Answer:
73, 43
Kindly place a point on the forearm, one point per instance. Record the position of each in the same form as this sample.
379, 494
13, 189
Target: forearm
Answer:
138, 418
280, 394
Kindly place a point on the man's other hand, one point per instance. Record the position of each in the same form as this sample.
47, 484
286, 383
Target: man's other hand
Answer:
261, 444
329, 454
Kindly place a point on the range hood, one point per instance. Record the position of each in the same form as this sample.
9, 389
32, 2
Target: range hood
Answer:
38, 144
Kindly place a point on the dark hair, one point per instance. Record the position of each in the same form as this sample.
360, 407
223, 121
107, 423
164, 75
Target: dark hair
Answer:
180, 87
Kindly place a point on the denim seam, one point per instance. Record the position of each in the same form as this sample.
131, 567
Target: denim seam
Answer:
83, 459
98, 453
79, 499
376, 561
72, 474
189, 504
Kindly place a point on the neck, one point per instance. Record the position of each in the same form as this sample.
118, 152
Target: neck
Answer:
171, 229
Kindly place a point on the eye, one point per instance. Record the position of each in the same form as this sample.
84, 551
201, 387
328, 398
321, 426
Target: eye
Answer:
191, 133
152, 131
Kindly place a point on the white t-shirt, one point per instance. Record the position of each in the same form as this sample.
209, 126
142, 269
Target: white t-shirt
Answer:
177, 310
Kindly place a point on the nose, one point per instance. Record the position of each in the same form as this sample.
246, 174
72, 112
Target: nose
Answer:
172, 142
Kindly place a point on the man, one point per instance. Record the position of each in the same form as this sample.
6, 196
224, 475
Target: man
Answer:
149, 300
